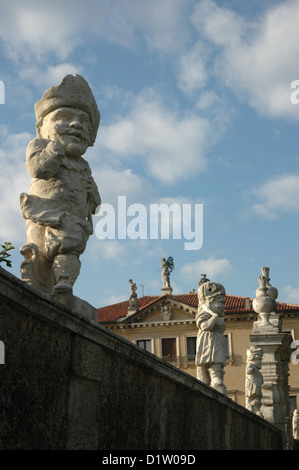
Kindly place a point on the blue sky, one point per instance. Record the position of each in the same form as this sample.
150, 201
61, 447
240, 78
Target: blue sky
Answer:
195, 109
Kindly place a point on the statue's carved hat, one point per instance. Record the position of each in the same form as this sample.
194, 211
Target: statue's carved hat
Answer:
208, 290
73, 91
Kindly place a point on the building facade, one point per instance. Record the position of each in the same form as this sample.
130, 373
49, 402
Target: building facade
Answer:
165, 326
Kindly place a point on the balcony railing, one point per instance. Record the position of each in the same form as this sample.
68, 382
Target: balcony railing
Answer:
170, 358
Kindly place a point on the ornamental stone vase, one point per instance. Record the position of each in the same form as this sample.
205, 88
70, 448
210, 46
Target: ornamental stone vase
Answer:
263, 304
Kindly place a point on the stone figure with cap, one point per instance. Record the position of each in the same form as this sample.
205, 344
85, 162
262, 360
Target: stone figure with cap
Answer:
254, 380
211, 345
63, 194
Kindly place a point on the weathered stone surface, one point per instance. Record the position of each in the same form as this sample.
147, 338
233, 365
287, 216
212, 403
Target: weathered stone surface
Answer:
69, 383
276, 346
211, 348
254, 380
167, 267
63, 194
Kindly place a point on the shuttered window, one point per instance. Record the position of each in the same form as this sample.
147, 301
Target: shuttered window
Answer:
191, 348
169, 349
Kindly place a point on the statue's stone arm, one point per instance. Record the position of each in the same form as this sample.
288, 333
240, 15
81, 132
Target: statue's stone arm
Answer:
43, 158
94, 196
250, 370
209, 324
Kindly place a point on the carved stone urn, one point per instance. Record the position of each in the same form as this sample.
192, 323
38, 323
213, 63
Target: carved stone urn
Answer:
263, 304
271, 291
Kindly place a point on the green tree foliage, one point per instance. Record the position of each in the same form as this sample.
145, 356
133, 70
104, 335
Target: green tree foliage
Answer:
4, 253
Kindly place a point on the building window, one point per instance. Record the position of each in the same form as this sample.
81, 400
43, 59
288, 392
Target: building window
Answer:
145, 344
169, 349
191, 348
293, 403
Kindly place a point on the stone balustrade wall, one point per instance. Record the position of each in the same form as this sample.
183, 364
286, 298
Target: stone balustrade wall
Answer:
69, 383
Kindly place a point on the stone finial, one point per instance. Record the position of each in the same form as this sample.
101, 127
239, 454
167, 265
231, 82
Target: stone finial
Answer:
211, 345
271, 291
265, 304
275, 344
63, 194
254, 380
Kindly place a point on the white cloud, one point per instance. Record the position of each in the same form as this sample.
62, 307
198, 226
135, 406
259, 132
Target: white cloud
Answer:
57, 27
207, 100
49, 75
291, 294
113, 249
277, 196
113, 299
14, 179
163, 24
192, 73
213, 268
38, 29
257, 60
113, 182
171, 145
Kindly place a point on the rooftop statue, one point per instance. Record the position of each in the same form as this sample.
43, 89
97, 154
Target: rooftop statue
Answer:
133, 294
211, 346
63, 194
167, 268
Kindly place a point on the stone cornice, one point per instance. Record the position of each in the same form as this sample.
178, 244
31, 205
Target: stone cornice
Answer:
122, 326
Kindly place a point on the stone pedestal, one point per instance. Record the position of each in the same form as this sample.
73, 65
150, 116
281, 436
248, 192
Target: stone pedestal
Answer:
167, 291
131, 311
275, 371
276, 346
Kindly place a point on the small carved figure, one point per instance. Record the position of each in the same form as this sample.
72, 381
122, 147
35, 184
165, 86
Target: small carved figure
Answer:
254, 380
63, 195
167, 267
211, 345
133, 296
203, 279
166, 311
296, 424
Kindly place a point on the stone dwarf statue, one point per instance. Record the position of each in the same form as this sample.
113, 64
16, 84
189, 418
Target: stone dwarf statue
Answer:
211, 345
254, 380
63, 195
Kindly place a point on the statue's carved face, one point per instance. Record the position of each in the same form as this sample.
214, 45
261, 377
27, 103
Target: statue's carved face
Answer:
217, 304
70, 127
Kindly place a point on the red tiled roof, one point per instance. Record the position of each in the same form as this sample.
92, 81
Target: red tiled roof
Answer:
233, 304
112, 313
